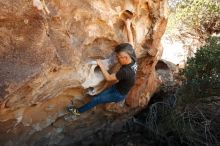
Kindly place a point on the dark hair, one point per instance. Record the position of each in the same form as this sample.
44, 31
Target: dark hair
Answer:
126, 47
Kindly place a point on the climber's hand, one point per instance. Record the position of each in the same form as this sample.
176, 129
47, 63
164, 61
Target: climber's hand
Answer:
108, 77
128, 22
99, 62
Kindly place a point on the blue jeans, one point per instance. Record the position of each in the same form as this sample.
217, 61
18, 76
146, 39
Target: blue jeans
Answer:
108, 95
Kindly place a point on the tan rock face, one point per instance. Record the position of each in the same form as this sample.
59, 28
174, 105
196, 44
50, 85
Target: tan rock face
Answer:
47, 53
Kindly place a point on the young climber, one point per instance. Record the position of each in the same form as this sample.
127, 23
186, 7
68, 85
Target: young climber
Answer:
125, 77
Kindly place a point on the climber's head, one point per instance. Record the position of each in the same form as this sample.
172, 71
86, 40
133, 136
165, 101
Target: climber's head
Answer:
125, 53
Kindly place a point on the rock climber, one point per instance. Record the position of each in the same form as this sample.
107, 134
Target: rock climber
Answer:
125, 77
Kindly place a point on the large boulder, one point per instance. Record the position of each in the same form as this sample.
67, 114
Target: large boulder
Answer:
47, 53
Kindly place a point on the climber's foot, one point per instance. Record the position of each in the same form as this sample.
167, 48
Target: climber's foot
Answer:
73, 110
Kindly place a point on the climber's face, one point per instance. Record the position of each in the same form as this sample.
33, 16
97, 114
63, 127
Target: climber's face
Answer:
123, 58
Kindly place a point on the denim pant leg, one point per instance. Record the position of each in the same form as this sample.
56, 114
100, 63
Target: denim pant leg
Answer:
109, 95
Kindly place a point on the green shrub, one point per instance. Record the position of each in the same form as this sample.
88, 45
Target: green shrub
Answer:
202, 73
200, 15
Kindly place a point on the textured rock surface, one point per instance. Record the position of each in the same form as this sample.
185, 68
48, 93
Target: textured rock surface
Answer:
46, 53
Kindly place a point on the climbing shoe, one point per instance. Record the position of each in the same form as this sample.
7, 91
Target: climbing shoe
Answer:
73, 110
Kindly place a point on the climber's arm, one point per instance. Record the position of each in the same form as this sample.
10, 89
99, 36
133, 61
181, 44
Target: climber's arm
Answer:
108, 77
129, 32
